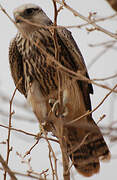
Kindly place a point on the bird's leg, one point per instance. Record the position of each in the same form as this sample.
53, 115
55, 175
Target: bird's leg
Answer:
48, 126
38, 136
55, 105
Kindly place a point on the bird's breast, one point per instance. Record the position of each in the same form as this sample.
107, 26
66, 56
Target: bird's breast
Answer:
37, 101
35, 64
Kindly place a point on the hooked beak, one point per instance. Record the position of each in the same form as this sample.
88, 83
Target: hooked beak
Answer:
17, 18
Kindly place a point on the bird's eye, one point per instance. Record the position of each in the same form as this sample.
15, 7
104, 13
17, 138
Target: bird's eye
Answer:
29, 11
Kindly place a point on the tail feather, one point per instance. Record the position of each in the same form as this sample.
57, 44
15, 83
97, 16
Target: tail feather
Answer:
88, 169
90, 148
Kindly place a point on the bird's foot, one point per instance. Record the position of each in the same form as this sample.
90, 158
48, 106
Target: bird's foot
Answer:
48, 126
41, 128
55, 105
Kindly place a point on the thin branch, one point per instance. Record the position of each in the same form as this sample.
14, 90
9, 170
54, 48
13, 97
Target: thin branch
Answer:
30, 170
7, 169
27, 133
18, 117
59, 26
60, 91
32, 147
75, 148
9, 130
88, 20
50, 147
89, 112
59, 120
24, 175
52, 168
56, 64
98, 56
101, 118
105, 44
106, 49
86, 24
106, 78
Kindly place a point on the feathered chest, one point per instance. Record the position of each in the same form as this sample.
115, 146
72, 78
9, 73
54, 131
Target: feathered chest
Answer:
34, 53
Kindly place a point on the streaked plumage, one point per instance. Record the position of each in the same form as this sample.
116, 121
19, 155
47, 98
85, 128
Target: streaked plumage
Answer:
30, 56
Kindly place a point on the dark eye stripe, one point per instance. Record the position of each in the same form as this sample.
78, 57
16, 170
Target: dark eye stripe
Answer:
30, 11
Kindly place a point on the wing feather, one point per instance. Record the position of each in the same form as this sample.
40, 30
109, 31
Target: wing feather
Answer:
16, 66
77, 57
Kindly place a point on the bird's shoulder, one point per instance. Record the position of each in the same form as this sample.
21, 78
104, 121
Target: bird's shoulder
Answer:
69, 42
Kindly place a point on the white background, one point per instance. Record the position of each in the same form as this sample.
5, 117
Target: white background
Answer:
105, 66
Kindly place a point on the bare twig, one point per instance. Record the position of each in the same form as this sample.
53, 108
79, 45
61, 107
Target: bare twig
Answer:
30, 170
27, 133
105, 44
101, 118
89, 112
56, 27
99, 28
7, 169
32, 147
50, 148
86, 24
9, 130
52, 168
65, 70
24, 175
74, 148
59, 120
106, 78
106, 49
76, 75
60, 91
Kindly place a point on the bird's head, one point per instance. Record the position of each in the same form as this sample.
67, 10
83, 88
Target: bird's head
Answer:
30, 13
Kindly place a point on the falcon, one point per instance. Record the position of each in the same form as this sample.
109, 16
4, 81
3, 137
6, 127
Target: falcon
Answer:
32, 59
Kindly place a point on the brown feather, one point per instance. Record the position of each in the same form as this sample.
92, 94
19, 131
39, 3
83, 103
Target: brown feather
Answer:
85, 143
16, 66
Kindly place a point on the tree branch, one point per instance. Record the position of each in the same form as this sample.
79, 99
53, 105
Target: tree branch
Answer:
7, 169
59, 120
88, 20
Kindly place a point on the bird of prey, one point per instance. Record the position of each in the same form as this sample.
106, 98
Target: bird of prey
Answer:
31, 55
